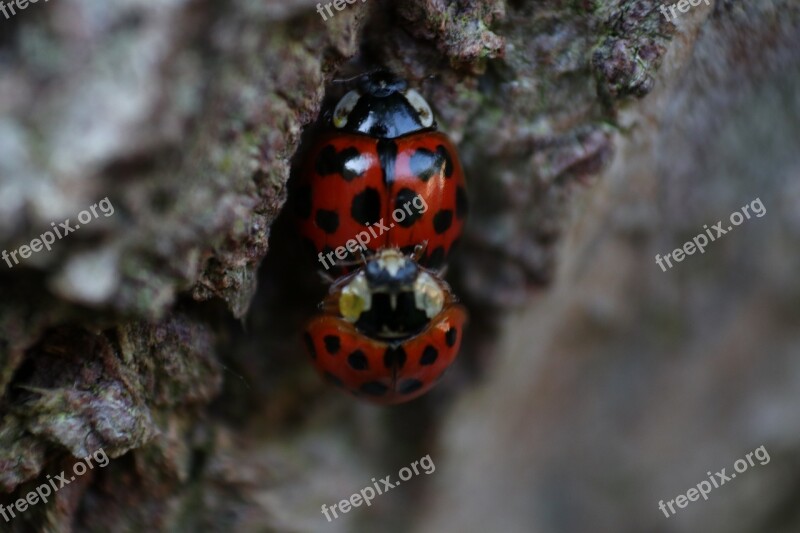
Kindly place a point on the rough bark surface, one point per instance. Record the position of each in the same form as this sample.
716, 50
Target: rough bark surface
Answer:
595, 134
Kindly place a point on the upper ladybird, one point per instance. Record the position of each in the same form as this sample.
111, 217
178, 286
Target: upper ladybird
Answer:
381, 175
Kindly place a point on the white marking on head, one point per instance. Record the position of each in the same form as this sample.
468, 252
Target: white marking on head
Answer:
421, 106
428, 295
355, 298
342, 112
391, 260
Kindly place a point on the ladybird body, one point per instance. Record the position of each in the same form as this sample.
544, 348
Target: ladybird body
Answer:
381, 176
388, 331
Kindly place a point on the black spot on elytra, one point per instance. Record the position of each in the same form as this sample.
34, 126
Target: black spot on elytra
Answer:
326, 161
374, 388
333, 379
358, 361
442, 221
448, 161
302, 202
405, 197
349, 163
436, 258
429, 356
332, 344
424, 163
451, 336
310, 345
366, 207
408, 386
462, 204
328, 221
394, 358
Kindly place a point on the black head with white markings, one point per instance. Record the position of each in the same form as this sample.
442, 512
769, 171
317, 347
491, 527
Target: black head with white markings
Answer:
383, 106
392, 297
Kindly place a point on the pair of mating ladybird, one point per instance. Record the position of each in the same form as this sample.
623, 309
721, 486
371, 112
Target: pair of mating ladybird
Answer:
390, 328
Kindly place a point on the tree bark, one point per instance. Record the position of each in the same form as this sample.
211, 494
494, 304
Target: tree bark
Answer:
594, 135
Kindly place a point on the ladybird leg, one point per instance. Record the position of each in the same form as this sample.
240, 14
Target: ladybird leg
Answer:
361, 257
419, 251
326, 278
357, 261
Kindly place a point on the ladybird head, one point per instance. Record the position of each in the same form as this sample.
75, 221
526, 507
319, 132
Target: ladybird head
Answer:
391, 297
382, 106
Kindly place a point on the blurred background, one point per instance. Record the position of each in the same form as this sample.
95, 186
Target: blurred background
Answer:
591, 384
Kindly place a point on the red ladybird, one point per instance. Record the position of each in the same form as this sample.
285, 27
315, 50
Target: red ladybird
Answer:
388, 331
381, 176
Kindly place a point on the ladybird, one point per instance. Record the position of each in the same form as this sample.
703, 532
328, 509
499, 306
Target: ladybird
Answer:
381, 175
388, 330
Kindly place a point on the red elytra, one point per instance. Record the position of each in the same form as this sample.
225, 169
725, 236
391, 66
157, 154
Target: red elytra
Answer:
380, 185
383, 372
381, 176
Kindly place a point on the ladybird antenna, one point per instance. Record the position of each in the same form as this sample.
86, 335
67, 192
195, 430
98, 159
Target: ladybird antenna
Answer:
326, 278
358, 260
351, 79
234, 374
346, 80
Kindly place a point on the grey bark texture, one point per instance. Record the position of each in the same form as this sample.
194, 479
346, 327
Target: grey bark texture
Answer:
595, 135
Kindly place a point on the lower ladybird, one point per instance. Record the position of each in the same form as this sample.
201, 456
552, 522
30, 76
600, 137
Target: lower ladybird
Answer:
387, 331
